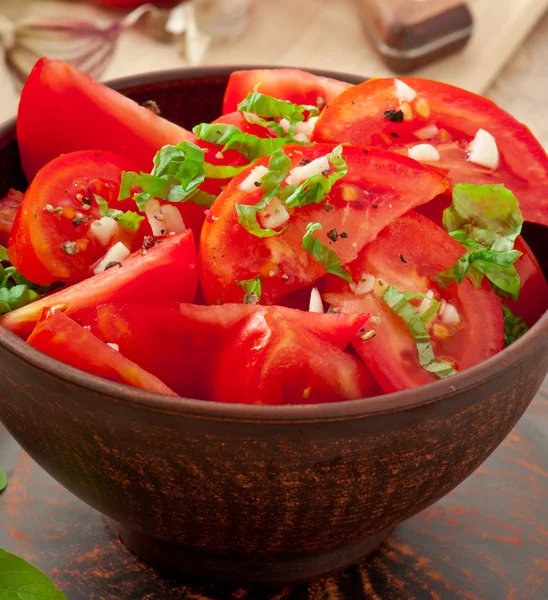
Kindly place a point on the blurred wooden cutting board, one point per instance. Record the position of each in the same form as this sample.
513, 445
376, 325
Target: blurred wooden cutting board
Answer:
308, 33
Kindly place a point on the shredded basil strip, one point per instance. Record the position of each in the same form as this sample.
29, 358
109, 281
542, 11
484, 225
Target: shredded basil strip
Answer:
15, 289
312, 191
176, 176
261, 105
323, 254
3, 480
514, 326
430, 312
247, 144
397, 302
129, 219
486, 220
252, 290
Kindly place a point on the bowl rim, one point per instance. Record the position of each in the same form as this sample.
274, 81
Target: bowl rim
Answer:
437, 391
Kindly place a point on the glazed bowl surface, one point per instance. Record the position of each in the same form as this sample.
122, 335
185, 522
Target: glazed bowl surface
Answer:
268, 494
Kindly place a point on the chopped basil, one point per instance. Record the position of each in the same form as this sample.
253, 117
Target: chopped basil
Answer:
3, 480
273, 108
311, 191
398, 303
252, 290
19, 580
222, 171
178, 172
15, 290
129, 219
486, 220
430, 312
514, 326
327, 257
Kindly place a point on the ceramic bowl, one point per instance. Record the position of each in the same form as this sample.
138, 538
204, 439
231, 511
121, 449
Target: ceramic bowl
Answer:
268, 494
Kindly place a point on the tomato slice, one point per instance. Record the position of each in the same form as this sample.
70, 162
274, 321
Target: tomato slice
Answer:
166, 271
61, 338
8, 209
408, 255
294, 85
52, 238
357, 116
179, 343
272, 361
378, 188
62, 110
533, 297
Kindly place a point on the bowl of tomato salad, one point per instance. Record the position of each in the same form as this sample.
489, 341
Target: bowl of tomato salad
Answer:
258, 317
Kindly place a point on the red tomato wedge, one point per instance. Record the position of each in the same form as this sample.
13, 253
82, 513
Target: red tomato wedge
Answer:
61, 338
533, 297
272, 361
166, 272
378, 188
62, 110
299, 87
179, 343
52, 237
8, 209
408, 255
357, 117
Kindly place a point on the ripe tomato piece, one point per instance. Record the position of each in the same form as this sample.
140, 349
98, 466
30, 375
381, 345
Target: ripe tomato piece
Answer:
357, 116
294, 85
52, 239
378, 188
62, 110
8, 209
533, 296
61, 338
179, 343
166, 271
408, 255
272, 361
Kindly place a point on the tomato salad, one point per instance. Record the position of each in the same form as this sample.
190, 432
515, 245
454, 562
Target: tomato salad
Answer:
318, 242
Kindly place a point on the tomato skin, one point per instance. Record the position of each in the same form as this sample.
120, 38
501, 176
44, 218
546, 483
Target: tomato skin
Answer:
55, 99
427, 250
294, 85
270, 361
532, 302
357, 116
386, 186
37, 237
166, 271
8, 209
61, 338
190, 336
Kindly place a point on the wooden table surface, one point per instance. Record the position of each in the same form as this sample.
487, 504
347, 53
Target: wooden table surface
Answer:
487, 540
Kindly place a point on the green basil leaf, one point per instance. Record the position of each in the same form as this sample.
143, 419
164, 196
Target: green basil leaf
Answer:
19, 580
514, 326
397, 302
15, 289
429, 313
222, 171
327, 257
129, 219
232, 138
315, 189
252, 290
3, 480
4, 254
247, 218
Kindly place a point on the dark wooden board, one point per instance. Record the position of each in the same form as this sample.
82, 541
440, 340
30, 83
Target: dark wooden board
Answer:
487, 540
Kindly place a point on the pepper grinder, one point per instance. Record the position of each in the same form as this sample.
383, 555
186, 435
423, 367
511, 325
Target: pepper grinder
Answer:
409, 34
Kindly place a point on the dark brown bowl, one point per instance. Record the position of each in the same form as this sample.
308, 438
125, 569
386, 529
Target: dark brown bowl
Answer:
254, 493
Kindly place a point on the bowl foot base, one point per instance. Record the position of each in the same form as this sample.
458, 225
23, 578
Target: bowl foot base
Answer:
244, 568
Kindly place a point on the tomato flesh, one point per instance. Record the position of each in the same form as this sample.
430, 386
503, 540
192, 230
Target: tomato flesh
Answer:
51, 238
357, 116
61, 338
409, 254
166, 271
299, 87
63, 110
379, 187
179, 343
8, 209
270, 361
